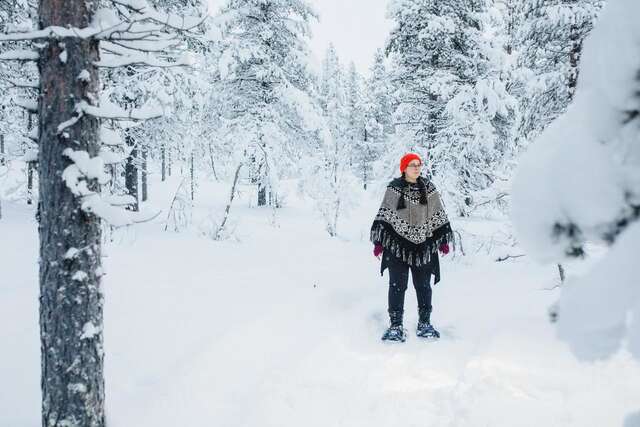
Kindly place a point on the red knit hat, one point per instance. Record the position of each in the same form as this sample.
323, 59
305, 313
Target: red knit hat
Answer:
406, 159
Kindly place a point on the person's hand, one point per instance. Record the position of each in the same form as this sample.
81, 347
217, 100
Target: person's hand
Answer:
444, 248
377, 250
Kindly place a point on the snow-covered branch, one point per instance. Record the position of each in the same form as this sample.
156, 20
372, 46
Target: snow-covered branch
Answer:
111, 111
141, 58
19, 55
51, 32
28, 104
85, 168
21, 84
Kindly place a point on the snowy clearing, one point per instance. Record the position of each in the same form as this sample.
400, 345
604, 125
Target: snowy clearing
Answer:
282, 328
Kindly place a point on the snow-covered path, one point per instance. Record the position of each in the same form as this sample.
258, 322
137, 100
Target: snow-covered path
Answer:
283, 329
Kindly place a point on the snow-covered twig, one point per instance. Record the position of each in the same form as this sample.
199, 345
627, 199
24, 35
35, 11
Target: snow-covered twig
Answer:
486, 202
140, 59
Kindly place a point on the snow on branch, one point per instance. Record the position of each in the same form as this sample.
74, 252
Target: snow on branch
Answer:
142, 58
28, 104
112, 213
110, 137
85, 168
19, 55
144, 12
22, 84
51, 32
111, 111
127, 47
136, 21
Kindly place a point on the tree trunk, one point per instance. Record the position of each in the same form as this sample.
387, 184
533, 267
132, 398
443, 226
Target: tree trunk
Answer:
220, 229
561, 272
131, 172
262, 194
2, 159
169, 161
163, 156
71, 302
144, 174
212, 162
574, 60
30, 182
192, 175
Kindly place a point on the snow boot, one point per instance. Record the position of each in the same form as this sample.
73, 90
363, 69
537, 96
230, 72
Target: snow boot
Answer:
395, 332
425, 329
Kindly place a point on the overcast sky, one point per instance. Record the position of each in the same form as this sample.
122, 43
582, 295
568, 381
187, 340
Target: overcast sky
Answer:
356, 28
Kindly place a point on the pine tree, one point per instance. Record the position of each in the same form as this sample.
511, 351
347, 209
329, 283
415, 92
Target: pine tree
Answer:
76, 139
452, 100
585, 170
548, 43
263, 67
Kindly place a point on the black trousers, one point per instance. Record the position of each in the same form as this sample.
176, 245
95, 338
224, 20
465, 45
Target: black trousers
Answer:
398, 280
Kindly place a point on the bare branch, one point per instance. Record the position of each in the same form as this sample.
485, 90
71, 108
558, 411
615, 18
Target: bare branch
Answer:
504, 258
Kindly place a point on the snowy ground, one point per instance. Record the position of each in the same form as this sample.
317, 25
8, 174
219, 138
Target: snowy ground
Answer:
282, 326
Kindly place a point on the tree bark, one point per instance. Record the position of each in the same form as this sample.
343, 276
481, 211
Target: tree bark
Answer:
2, 159
131, 172
71, 302
30, 182
163, 157
144, 180
192, 175
168, 149
262, 194
574, 60
220, 229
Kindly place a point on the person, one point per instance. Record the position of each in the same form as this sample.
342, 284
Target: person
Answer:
409, 229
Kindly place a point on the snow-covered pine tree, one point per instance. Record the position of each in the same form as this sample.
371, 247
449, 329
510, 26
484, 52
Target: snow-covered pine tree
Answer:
379, 92
329, 177
266, 82
18, 99
378, 109
72, 151
355, 124
548, 43
582, 180
452, 100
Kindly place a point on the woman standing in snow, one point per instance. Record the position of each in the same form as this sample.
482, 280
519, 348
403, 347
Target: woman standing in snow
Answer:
409, 229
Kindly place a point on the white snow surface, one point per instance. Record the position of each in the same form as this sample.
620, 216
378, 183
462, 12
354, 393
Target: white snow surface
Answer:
281, 327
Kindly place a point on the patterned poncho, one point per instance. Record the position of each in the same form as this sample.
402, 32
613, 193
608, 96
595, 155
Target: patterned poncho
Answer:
410, 227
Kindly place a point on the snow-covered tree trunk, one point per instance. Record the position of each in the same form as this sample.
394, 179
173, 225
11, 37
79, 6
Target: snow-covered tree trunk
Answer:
131, 171
30, 169
144, 177
169, 159
192, 176
70, 298
163, 157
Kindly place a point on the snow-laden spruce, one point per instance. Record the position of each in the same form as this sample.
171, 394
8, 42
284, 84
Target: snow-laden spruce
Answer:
580, 182
453, 102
